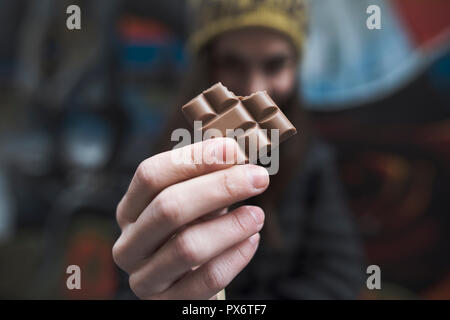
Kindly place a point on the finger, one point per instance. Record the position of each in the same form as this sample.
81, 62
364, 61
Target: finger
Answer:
177, 205
212, 277
195, 246
213, 215
164, 169
206, 217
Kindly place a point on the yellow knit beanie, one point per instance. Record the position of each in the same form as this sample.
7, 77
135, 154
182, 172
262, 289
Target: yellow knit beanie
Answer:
210, 18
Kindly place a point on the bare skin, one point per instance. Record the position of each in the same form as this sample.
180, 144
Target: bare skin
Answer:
176, 241
255, 59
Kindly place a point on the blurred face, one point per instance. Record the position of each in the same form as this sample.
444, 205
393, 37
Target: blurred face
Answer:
255, 59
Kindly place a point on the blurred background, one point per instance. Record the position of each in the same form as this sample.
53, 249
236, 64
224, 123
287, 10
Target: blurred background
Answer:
79, 110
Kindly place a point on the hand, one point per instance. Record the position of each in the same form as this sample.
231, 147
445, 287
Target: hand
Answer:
177, 241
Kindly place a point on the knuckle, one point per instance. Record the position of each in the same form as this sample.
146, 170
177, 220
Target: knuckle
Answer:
195, 150
167, 209
119, 253
144, 285
145, 173
137, 286
245, 254
120, 218
239, 223
185, 249
214, 280
229, 187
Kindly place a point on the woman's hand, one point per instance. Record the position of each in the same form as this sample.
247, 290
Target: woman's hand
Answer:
177, 242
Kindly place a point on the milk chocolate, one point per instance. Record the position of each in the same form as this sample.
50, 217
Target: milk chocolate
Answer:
218, 108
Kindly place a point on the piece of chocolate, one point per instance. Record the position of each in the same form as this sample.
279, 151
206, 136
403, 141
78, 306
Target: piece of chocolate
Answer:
218, 108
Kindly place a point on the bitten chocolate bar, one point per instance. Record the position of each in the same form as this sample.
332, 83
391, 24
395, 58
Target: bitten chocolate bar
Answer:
218, 108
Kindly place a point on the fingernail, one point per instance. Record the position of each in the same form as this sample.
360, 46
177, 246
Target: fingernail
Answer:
259, 177
258, 215
254, 238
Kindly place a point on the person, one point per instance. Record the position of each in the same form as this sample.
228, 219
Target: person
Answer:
190, 230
